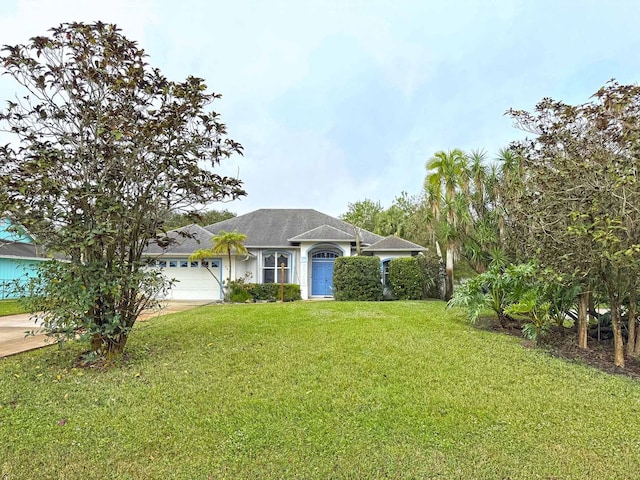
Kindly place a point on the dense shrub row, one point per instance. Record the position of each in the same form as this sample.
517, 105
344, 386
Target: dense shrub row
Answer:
270, 292
410, 278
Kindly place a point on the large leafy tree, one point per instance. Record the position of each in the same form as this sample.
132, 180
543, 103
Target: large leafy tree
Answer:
577, 209
363, 214
103, 146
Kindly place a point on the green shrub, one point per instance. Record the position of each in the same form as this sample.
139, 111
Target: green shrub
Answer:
270, 292
406, 279
240, 295
433, 274
357, 278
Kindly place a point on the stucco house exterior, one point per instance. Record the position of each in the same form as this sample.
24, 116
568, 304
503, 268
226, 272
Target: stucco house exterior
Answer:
301, 244
19, 256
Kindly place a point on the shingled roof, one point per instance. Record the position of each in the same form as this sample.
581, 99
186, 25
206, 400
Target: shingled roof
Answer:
275, 227
324, 233
393, 243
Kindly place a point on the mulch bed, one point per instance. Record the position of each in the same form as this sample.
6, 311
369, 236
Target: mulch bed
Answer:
599, 354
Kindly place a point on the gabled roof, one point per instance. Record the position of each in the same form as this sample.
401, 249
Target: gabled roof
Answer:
393, 243
324, 233
274, 227
184, 241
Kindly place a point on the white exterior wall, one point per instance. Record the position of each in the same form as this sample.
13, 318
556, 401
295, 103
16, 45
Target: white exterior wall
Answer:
246, 268
390, 255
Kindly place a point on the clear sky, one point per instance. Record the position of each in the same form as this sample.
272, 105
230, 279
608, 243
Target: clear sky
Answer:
336, 101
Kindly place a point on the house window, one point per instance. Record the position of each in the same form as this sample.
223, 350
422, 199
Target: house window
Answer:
272, 267
184, 263
210, 263
194, 264
385, 272
325, 255
173, 263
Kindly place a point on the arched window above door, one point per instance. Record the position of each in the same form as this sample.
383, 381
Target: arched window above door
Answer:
324, 254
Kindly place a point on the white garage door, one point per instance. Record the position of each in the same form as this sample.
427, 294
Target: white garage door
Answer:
193, 281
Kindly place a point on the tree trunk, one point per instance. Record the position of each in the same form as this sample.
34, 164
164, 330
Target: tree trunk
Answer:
618, 340
448, 282
226, 291
109, 348
438, 250
634, 345
583, 319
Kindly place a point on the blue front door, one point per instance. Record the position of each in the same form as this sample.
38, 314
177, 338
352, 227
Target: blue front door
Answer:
322, 278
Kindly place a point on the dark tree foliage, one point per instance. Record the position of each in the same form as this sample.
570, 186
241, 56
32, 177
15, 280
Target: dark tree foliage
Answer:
103, 147
182, 219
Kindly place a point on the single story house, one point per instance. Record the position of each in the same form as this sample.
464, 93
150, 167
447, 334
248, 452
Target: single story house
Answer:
19, 256
299, 244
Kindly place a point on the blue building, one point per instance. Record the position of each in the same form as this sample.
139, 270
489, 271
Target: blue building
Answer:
19, 256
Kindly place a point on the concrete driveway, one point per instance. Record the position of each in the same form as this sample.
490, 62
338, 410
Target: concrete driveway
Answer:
14, 327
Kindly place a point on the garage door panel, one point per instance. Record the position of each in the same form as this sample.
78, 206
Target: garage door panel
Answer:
193, 284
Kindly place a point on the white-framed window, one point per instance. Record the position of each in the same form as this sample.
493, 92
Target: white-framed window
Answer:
274, 265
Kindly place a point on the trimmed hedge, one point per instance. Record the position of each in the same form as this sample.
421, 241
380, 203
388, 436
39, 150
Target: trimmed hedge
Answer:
406, 279
357, 279
270, 292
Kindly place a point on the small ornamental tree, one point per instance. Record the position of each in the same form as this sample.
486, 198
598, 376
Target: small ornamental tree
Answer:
357, 279
103, 147
406, 278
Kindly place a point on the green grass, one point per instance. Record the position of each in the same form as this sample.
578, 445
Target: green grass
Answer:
317, 390
10, 307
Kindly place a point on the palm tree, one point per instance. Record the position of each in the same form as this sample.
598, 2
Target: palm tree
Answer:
223, 243
478, 175
447, 175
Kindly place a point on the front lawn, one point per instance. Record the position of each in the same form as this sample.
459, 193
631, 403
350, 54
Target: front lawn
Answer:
10, 307
317, 390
